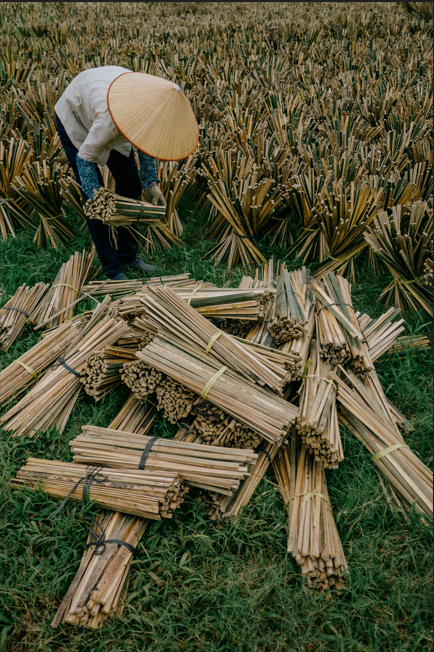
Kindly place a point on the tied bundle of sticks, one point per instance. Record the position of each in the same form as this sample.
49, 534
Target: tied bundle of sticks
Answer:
290, 310
115, 210
229, 303
15, 313
102, 371
212, 426
317, 422
99, 587
65, 290
380, 334
117, 289
313, 538
369, 419
149, 494
300, 347
339, 331
29, 367
208, 467
51, 400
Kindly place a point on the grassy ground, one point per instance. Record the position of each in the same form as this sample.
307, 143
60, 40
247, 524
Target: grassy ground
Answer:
203, 586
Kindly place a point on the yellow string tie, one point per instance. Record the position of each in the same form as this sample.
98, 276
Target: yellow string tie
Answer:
311, 495
211, 382
212, 341
303, 378
58, 285
48, 219
388, 450
29, 369
193, 293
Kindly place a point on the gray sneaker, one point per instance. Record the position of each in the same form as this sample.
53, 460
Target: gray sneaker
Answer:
139, 265
120, 277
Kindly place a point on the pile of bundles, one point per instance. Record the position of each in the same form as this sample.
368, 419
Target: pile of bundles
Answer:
273, 398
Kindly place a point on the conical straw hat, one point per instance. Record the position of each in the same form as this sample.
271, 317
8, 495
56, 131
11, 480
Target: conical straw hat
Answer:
154, 115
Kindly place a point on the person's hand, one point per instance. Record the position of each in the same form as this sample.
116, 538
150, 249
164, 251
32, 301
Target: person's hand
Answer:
154, 196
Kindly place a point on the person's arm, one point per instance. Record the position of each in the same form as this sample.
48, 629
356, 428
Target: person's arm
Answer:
150, 180
88, 176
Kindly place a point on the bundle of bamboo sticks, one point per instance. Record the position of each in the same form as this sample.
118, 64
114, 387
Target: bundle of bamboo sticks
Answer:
313, 538
117, 289
65, 290
291, 307
99, 587
301, 346
141, 379
102, 371
216, 428
29, 367
15, 313
135, 416
116, 210
174, 400
149, 494
229, 303
317, 422
428, 272
51, 400
368, 417
381, 333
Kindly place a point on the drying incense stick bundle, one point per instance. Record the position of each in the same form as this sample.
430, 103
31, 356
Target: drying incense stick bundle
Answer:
118, 289
407, 474
65, 290
317, 422
291, 308
29, 367
256, 407
207, 467
102, 371
313, 538
99, 587
149, 494
116, 210
135, 416
51, 400
15, 313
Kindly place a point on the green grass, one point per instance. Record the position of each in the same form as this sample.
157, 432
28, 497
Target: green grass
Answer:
228, 586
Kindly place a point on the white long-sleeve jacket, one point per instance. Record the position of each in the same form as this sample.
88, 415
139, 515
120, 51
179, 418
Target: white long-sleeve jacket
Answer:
83, 111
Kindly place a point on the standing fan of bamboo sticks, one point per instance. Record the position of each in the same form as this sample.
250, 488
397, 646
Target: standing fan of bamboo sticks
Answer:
13, 158
16, 312
404, 251
176, 178
67, 287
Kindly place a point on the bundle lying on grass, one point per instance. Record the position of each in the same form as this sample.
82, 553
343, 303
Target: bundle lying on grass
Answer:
216, 428
29, 367
372, 424
66, 288
149, 494
381, 333
313, 538
229, 303
116, 210
117, 289
290, 309
102, 371
257, 408
208, 467
135, 416
51, 400
317, 422
16, 312
99, 586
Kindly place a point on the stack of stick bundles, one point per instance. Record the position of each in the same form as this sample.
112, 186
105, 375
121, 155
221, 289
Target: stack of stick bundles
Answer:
208, 467
102, 371
29, 367
367, 414
290, 310
141, 492
65, 290
317, 422
338, 329
99, 587
51, 400
313, 538
16, 312
116, 210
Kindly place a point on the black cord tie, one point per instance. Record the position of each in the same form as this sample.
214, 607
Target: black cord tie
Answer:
266, 453
93, 475
146, 452
17, 309
184, 426
62, 361
101, 542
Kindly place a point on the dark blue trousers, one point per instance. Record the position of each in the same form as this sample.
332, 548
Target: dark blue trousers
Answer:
126, 176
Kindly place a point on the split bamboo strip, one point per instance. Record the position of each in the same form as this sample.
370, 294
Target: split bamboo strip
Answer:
313, 538
149, 494
16, 312
67, 287
208, 467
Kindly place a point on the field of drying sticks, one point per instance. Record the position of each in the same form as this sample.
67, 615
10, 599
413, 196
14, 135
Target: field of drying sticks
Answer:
238, 444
